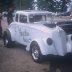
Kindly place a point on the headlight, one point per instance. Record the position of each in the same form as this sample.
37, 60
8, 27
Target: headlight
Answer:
49, 41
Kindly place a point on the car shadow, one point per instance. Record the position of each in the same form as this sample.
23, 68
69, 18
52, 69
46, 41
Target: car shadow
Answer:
56, 64
61, 64
18, 46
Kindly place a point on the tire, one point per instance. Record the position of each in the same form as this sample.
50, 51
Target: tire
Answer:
36, 53
7, 39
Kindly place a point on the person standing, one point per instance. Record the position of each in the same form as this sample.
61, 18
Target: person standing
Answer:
10, 16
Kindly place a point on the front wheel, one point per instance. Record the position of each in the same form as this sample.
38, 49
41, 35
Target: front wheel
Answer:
36, 53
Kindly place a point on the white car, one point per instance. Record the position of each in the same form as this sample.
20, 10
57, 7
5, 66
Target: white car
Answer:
31, 28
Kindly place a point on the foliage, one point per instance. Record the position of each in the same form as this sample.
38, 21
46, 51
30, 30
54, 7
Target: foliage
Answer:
53, 5
50, 5
23, 4
5, 4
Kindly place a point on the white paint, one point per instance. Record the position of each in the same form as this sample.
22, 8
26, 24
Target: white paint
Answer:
25, 33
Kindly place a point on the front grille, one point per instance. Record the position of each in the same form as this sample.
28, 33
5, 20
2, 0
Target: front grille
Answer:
63, 40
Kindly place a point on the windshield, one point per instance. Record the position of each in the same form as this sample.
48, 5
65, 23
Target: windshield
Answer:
37, 18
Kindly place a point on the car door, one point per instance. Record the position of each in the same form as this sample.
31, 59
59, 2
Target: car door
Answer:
15, 27
23, 29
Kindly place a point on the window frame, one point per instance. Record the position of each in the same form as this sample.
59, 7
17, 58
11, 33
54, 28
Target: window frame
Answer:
20, 18
17, 17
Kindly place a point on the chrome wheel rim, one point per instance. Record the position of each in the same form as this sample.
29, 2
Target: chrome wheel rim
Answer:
35, 53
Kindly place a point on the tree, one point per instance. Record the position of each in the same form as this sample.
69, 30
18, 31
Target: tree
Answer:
23, 4
53, 5
5, 4
50, 5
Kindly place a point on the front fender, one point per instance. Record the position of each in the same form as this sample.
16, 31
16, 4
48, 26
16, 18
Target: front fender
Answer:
44, 47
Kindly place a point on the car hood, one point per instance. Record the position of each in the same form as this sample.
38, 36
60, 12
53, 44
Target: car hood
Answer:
45, 23
45, 27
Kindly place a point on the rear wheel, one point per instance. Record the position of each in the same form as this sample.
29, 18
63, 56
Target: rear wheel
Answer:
7, 40
36, 53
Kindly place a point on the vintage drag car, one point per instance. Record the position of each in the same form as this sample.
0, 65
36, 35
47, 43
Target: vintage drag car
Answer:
31, 28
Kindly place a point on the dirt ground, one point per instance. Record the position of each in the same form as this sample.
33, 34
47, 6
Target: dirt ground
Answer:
16, 59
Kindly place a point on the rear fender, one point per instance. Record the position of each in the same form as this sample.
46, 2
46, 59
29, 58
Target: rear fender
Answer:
11, 32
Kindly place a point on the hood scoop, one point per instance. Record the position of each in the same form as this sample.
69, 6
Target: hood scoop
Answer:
66, 26
51, 25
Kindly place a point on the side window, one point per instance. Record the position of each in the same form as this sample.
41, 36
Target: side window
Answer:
16, 19
35, 18
23, 19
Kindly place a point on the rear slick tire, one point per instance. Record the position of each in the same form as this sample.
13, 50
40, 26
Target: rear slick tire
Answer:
7, 40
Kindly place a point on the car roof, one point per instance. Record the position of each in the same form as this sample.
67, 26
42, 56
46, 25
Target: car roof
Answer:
28, 12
